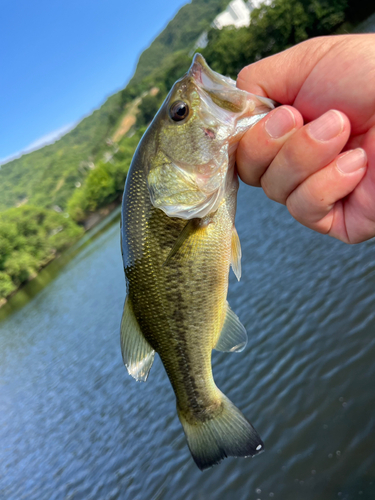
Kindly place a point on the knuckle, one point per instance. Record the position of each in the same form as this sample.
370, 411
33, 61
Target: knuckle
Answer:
293, 208
269, 189
244, 77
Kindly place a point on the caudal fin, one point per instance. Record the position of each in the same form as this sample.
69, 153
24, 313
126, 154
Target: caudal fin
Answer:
228, 434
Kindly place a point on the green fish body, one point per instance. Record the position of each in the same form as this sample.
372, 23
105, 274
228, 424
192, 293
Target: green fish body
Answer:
178, 242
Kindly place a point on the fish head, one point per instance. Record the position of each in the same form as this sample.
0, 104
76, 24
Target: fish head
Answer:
196, 132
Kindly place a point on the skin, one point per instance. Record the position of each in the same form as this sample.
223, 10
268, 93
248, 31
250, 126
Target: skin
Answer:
316, 153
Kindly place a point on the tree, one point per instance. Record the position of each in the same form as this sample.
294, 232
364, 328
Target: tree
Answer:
147, 109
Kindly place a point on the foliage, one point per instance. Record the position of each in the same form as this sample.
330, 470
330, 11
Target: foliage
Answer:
106, 182
29, 238
6, 285
47, 177
147, 109
273, 28
180, 34
173, 68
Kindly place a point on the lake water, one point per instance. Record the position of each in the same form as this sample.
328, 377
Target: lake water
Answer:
75, 425
367, 26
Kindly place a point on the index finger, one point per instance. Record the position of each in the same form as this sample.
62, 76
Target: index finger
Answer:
281, 76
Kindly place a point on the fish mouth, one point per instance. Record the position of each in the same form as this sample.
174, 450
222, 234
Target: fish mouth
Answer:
223, 91
208, 78
220, 89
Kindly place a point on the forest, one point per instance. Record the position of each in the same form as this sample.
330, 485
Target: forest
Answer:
30, 237
46, 195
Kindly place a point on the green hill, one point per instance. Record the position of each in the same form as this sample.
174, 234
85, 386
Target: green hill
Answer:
181, 33
48, 176
86, 169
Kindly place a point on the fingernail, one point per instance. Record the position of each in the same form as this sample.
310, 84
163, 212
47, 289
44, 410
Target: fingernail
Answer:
351, 161
327, 126
280, 123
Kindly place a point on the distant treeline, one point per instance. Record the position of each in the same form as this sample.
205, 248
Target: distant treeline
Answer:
105, 182
279, 26
86, 169
29, 238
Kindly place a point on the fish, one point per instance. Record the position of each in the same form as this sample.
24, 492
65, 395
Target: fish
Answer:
178, 242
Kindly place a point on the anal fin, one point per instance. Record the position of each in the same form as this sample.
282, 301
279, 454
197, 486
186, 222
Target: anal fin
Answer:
137, 353
233, 336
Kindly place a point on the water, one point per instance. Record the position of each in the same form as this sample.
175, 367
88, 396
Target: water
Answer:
74, 425
367, 26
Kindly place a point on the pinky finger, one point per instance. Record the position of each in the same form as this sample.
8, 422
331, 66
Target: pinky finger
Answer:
312, 203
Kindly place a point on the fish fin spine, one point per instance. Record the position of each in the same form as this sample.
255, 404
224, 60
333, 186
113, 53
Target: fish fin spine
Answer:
233, 336
228, 434
137, 353
236, 254
189, 242
187, 231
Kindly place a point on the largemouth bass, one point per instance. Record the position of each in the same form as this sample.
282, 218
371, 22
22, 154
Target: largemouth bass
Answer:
178, 242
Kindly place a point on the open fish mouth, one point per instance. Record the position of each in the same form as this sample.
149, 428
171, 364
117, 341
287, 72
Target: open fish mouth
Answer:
221, 89
207, 77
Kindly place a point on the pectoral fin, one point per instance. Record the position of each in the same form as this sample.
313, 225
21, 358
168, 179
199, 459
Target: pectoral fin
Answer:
190, 241
137, 353
188, 230
236, 254
233, 336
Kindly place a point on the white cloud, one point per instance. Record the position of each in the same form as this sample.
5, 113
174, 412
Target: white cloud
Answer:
49, 138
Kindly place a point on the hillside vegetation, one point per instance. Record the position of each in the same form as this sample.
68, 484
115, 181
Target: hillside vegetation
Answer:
181, 33
29, 238
48, 177
86, 169
280, 26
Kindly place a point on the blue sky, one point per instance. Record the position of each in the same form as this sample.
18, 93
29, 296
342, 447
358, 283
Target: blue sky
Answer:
60, 59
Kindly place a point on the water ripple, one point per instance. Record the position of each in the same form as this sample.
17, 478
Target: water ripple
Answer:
74, 425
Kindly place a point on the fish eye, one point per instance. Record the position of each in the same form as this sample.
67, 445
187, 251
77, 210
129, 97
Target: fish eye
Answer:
178, 111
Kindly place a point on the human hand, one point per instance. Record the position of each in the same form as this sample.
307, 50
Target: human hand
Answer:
324, 172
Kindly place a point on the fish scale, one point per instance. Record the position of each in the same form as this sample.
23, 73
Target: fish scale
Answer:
162, 297
178, 242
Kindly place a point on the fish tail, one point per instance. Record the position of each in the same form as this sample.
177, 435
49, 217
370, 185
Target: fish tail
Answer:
227, 434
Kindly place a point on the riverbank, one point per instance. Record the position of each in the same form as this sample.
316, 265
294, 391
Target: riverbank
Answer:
93, 224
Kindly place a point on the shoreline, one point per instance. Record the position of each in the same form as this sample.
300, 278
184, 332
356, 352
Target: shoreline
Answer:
92, 221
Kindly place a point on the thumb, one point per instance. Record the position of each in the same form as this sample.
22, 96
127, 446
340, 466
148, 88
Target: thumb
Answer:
280, 77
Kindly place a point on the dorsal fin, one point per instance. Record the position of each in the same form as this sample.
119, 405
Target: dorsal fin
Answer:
233, 336
236, 254
137, 353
